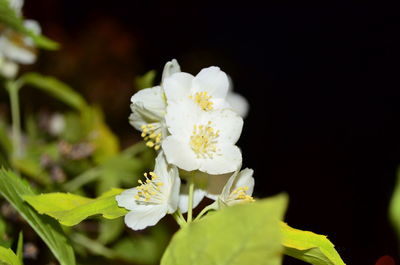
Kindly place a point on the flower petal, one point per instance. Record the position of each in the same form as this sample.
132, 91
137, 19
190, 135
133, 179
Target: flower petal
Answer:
174, 192
211, 80
170, 68
127, 199
145, 215
177, 86
198, 196
181, 118
179, 153
228, 123
149, 103
228, 160
238, 103
245, 179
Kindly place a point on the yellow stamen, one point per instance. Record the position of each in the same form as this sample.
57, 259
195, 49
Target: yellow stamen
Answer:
204, 140
152, 139
240, 194
203, 100
149, 188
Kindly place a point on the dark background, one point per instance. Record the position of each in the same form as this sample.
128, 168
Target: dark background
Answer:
322, 81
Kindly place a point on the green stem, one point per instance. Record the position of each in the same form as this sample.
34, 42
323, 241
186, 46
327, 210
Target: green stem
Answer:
190, 204
13, 89
179, 218
204, 211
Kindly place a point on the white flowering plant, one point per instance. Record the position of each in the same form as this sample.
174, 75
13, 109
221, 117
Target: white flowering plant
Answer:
70, 183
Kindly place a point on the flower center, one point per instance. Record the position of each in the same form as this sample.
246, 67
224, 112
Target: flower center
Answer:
204, 140
203, 100
150, 136
239, 194
149, 189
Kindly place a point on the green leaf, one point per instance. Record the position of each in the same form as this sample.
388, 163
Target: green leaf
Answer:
394, 208
146, 80
55, 88
241, 234
70, 209
309, 247
13, 189
9, 17
7, 257
20, 247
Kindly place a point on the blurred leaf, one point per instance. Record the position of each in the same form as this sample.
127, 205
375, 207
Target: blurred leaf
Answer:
144, 249
30, 163
241, 234
13, 189
146, 80
117, 170
20, 247
7, 257
70, 209
125, 170
100, 135
110, 230
9, 17
394, 208
2, 227
55, 88
5, 140
93, 246
309, 247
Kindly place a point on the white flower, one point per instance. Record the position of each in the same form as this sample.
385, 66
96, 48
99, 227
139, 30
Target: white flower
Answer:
207, 89
238, 189
154, 198
198, 195
16, 48
203, 140
236, 101
149, 108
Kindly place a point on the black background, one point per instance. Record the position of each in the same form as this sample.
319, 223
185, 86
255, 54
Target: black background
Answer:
323, 84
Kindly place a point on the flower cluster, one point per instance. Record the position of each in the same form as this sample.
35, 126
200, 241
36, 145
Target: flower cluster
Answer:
16, 48
193, 122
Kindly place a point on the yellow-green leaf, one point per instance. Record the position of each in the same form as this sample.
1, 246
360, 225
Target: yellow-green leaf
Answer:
13, 188
309, 247
242, 234
146, 80
394, 208
7, 257
70, 209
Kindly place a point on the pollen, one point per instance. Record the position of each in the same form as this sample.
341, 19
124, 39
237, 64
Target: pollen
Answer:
152, 139
149, 188
204, 140
203, 100
240, 194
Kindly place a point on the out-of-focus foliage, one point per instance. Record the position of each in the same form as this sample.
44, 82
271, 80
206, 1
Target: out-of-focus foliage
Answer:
146, 80
309, 247
394, 208
241, 234
8, 257
56, 88
13, 189
9, 17
70, 209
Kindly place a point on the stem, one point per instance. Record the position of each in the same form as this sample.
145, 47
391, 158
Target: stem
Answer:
13, 89
190, 204
179, 218
205, 210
